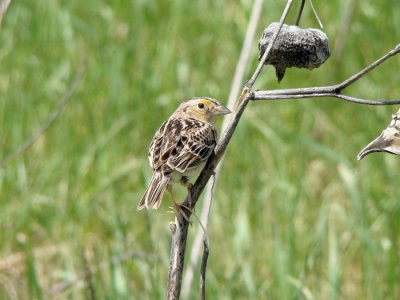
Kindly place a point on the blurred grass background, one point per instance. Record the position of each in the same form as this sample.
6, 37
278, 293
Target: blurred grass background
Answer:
295, 216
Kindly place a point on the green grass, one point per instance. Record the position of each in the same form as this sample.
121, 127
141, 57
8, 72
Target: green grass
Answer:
295, 216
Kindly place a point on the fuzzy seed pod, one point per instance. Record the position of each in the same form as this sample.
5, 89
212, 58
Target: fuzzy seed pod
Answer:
294, 47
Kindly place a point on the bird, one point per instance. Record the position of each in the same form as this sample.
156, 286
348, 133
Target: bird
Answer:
181, 147
388, 141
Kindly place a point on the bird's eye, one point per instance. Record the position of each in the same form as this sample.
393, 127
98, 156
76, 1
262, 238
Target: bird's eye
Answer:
200, 105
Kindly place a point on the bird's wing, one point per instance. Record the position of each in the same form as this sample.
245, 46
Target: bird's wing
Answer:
181, 144
163, 141
197, 142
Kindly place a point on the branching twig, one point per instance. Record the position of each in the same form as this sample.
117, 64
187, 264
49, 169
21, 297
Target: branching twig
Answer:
179, 236
330, 91
180, 231
367, 69
34, 137
315, 93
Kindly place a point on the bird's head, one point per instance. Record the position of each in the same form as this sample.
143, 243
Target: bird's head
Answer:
203, 109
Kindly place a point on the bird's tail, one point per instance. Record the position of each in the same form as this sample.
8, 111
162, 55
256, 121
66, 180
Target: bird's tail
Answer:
154, 192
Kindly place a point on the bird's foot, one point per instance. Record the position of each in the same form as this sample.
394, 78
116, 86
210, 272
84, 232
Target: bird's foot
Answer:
180, 209
189, 187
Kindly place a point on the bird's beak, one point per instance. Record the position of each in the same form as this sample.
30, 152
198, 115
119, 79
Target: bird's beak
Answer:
221, 110
388, 141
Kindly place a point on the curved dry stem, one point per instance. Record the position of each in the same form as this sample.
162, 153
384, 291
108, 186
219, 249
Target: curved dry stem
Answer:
368, 69
238, 78
281, 95
179, 236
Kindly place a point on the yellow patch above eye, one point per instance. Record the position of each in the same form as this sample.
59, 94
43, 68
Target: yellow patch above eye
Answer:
206, 102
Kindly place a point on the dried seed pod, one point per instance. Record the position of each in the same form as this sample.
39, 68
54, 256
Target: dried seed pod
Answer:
294, 47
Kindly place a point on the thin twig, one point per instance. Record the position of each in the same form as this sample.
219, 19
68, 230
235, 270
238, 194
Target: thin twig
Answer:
203, 269
300, 12
56, 112
179, 236
316, 15
314, 11
280, 95
253, 78
206, 251
88, 278
233, 95
3, 9
369, 68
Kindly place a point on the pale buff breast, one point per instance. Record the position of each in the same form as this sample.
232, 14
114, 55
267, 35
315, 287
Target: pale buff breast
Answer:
194, 172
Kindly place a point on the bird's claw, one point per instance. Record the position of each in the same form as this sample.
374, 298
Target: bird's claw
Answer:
178, 208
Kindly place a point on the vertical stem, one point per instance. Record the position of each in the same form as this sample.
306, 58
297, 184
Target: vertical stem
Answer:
181, 225
180, 229
203, 269
177, 257
253, 78
241, 67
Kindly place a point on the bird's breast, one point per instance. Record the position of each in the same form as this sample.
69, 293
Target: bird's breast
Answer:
192, 172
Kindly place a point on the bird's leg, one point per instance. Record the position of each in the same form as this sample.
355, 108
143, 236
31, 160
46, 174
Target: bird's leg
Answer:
176, 206
185, 182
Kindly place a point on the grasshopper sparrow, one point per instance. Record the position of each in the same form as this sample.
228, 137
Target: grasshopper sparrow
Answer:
180, 148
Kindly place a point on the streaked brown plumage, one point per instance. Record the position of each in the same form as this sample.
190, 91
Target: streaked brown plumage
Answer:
181, 146
388, 141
